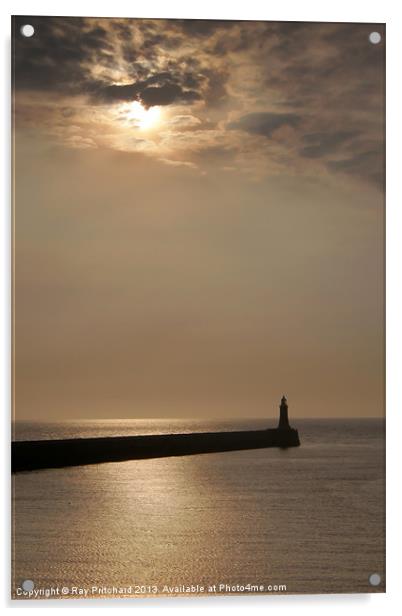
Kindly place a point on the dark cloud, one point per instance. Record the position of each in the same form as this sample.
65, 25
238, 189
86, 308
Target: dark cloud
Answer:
159, 89
215, 92
332, 66
265, 123
122, 30
367, 165
59, 56
324, 80
364, 160
167, 94
203, 27
321, 144
52, 58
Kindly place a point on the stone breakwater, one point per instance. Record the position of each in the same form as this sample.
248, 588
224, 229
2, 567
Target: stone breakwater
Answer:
34, 455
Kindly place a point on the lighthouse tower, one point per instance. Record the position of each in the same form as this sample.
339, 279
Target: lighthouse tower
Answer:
283, 417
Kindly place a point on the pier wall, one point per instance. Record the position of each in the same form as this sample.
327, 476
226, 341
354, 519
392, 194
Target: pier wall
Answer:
34, 455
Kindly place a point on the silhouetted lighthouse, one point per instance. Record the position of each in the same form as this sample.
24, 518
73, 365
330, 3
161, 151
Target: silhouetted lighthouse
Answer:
283, 417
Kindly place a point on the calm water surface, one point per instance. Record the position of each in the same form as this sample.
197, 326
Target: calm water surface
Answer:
311, 518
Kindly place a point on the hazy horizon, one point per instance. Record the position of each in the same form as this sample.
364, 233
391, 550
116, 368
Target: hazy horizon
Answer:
205, 418
199, 219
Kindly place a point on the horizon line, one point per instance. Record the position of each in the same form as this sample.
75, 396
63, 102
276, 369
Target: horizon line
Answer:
240, 418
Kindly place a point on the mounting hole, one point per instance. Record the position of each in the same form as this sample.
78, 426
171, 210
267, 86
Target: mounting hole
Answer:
375, 579
28, 585
375, 38
27, 30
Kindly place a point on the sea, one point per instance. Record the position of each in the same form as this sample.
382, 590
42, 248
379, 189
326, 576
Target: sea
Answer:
309, 519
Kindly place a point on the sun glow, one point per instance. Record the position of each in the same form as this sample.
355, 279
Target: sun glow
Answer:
144, 118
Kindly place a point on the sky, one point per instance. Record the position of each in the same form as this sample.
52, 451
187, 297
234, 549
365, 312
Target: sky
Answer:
199, 219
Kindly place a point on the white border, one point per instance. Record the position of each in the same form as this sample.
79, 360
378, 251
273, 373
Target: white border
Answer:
285, 10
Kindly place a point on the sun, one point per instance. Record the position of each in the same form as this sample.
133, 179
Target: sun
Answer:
144, 118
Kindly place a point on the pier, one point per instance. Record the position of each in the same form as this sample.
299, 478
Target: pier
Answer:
42, 454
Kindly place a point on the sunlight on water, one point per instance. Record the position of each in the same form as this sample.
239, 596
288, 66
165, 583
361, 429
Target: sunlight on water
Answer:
310, 517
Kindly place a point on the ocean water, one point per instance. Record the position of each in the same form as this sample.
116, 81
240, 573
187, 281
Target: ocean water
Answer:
301, 520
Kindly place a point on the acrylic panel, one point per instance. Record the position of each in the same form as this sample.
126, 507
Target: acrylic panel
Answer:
198, 308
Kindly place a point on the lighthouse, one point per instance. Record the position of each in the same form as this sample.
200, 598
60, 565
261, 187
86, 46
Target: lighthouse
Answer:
283, 416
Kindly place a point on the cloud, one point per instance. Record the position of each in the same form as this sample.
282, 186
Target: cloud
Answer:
321, 144
204, 27
184, 121
367, 165
242, 80
178, 163
347, 152
64, 52
165, 92
265, 123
